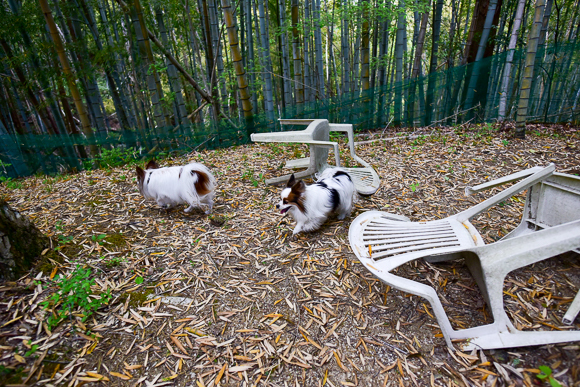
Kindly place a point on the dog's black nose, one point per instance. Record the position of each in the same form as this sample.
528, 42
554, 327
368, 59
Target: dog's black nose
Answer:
277, 206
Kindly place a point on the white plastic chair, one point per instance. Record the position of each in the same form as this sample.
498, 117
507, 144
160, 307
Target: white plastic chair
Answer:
550, 226
317, 136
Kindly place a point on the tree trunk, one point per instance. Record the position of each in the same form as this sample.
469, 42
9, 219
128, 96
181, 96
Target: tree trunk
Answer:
509, 60
237, 59
345, 50
318, 47
533, 37
433, 64
21, 243
266, 62
298, 81
401, 25
85, 122
286, 82
174, 82
477, 71
364, 74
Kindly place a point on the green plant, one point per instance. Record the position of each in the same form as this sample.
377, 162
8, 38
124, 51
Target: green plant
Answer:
116, 157
249, 175
73, 292
10, 183
32, 349
99, 238
414, 186
113, 262
546, 373
139, 280
63, 240
505, 142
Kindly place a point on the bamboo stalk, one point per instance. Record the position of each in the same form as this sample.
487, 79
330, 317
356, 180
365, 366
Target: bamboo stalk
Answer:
85, 122
533, 37
237, 59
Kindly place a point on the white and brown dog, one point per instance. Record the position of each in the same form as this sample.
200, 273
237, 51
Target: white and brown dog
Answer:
311, 205
192, 184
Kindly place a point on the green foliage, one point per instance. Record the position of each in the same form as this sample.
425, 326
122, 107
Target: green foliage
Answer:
116, 157
62, 239
248, 175
546, 374
10, 183
32, 350
139, 280
99, 238
113, 262
414, 186
73, 292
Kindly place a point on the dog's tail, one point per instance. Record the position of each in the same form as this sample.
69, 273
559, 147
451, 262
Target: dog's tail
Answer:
204, 181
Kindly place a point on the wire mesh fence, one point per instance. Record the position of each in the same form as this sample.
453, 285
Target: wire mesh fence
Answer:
483, 91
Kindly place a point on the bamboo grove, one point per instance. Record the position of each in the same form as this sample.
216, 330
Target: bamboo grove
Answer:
80, 76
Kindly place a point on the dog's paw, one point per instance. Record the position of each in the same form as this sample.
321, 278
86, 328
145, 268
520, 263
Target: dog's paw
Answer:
341, 216
188, 210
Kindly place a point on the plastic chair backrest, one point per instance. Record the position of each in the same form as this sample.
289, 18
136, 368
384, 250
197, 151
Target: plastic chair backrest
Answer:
554, 201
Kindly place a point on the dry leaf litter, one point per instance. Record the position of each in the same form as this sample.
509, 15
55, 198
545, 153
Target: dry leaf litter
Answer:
233, 299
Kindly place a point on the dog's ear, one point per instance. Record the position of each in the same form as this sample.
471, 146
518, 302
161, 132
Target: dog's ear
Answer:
140, 173
152, 165
299, 187
291, 181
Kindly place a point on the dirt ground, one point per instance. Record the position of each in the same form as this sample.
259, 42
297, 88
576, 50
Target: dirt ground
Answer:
234, 299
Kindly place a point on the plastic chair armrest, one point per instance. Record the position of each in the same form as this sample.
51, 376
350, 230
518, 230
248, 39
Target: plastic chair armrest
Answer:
294, 121
502, 180
507, 193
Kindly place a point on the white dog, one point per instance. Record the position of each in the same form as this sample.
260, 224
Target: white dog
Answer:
192, 184
311, 205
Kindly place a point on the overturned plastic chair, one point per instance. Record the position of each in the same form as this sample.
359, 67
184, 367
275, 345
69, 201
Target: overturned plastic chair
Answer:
550, 226
316, 135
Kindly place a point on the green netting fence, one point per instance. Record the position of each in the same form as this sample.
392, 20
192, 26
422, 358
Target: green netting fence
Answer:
478, 92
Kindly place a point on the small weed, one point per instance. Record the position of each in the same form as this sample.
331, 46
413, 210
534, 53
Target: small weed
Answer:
63, 240
117, 157
113, 262
505, 142
10, 183
139, 280
249, 175
546, 373
275, 148
99, 239
414, 186
59, 226
419, 141
91, 182
73, 292
32, 349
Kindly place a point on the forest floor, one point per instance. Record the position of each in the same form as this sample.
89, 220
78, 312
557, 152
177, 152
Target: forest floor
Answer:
233, 299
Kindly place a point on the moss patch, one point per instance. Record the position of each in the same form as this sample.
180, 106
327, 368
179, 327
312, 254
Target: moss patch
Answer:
218, 220
137, 298
9, 375
116, 240
47, 261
